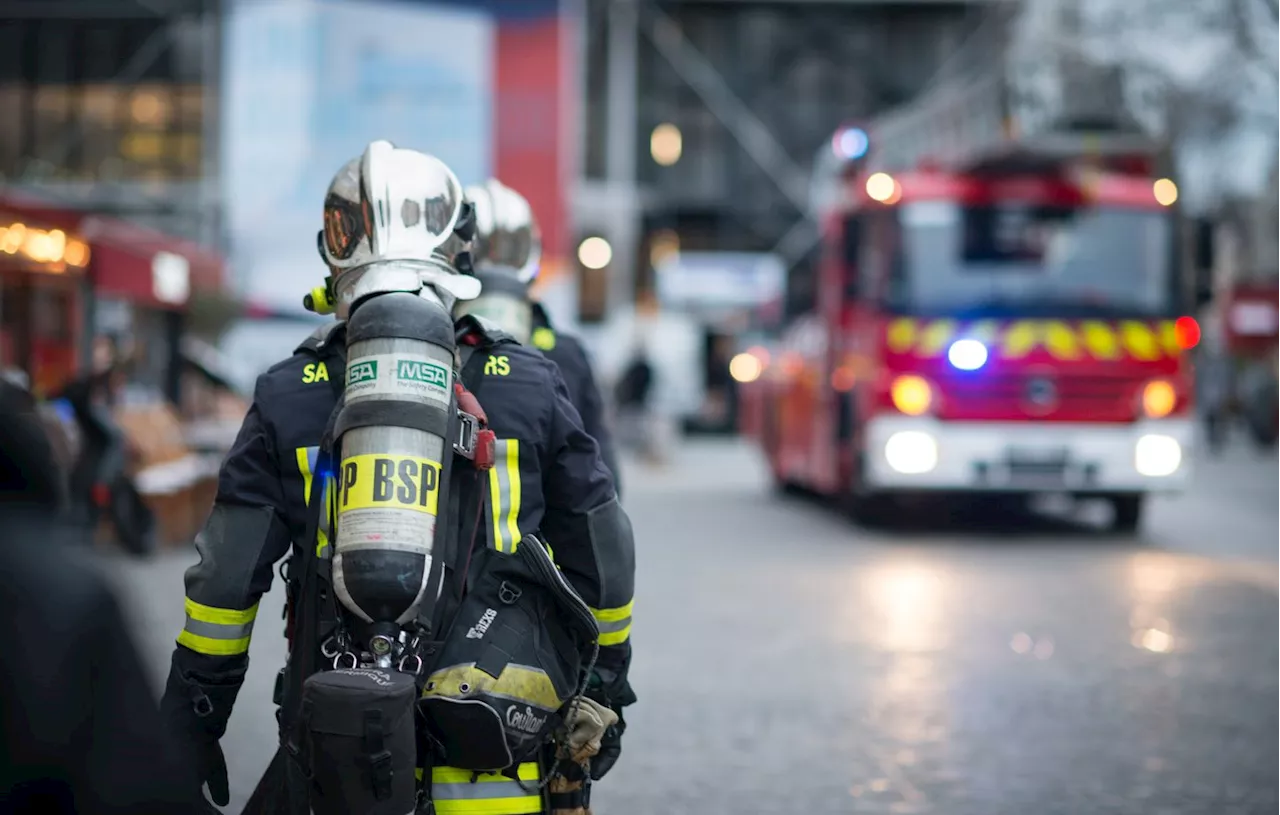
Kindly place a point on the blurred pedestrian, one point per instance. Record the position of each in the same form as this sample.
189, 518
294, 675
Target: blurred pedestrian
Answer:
1214, 381
632, 395
81, 733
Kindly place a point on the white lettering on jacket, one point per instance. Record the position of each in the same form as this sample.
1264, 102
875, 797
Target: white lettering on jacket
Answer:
477, 631
525, 720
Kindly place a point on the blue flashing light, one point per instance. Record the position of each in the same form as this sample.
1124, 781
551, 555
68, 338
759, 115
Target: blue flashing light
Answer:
967, 355
851, 143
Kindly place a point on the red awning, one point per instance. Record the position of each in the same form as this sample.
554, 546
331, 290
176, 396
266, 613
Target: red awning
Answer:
126, 260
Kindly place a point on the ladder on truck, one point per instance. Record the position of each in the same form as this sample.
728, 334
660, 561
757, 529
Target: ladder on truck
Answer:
1036, 113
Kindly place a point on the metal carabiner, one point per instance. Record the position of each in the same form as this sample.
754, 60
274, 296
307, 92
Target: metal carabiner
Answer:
337, 661
417, 662
330, 648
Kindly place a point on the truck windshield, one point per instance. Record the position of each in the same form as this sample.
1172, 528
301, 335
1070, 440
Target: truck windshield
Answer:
1025, 258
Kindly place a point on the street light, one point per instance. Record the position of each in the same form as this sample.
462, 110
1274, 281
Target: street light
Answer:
666, 144
595, 253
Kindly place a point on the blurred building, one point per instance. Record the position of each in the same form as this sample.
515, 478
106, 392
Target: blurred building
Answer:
107, 178
702, 117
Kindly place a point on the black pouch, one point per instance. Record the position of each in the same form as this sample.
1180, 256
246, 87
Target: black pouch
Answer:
511, 659
358, 741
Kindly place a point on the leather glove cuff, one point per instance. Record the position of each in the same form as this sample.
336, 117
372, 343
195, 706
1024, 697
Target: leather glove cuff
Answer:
610, 689
200, 704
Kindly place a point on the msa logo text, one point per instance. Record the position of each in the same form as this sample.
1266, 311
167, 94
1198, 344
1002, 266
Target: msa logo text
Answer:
362, 372
430, 373
477, 631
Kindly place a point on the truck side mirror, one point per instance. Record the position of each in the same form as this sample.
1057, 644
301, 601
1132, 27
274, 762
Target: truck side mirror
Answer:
850, 250
1203, 239
1202, 260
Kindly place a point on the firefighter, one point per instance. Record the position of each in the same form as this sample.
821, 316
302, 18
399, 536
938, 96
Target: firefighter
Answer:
507, 254
549, 479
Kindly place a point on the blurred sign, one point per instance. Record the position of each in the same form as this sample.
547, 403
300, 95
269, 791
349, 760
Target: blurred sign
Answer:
1253, 319
308, 84
719, 282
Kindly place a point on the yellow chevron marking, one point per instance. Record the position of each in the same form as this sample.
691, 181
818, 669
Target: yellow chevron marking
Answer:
901, 335
1169, 338
984, 331
1021, 337
935, 337
1139, 341
1100, 340
1061, 341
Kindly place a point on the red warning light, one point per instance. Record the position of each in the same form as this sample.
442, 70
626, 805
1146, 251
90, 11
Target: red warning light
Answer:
1187, 331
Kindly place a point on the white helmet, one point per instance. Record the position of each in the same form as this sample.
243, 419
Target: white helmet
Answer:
507, 237
395, 219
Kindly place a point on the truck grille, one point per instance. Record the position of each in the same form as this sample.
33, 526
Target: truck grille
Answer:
1073, 398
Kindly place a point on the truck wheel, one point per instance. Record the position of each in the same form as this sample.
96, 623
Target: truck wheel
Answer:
873, 510
1128, 512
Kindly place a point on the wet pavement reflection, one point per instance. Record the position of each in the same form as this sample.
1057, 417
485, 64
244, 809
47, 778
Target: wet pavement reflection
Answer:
789, 662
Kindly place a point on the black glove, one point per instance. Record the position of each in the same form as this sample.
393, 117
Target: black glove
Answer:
609, 688
610, 749
196, 708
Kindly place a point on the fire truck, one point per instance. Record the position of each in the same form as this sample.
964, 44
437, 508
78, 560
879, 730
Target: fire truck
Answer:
1001, 309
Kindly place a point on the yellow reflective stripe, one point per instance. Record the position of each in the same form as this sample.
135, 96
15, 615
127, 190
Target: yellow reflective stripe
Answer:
1021, 337
1169, 338
1139, 341
1100, 340
220, 616
304, 457
504, 495
901, 335
936, 337
984, 331
217, 631
613, 615
456, 791
1061, 341
614, 623
523, 805
213, 647
495, 506
513, 478
527, 771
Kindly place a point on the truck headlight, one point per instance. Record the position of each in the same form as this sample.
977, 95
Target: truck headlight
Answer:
1156, 456
911, 452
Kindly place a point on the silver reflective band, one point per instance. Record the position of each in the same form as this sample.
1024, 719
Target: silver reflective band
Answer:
218, 631
614, 626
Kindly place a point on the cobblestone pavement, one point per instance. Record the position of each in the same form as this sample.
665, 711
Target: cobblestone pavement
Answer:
789, 662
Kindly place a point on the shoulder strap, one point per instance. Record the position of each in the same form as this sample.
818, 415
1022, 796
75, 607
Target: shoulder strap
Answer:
317, 340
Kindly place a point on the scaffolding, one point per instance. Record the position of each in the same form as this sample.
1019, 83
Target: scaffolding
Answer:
111, 105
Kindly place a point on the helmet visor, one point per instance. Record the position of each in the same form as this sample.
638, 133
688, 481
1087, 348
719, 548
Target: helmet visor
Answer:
344, 226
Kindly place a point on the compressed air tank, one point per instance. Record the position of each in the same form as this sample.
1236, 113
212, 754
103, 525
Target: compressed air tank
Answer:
394, 443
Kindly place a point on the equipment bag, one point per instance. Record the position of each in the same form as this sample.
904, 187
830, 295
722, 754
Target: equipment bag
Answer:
511, 659
358, 741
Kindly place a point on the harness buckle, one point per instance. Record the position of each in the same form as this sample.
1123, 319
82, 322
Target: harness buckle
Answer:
468, 430
508, 594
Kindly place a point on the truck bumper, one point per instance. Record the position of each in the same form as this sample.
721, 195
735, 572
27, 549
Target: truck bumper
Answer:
906, 453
